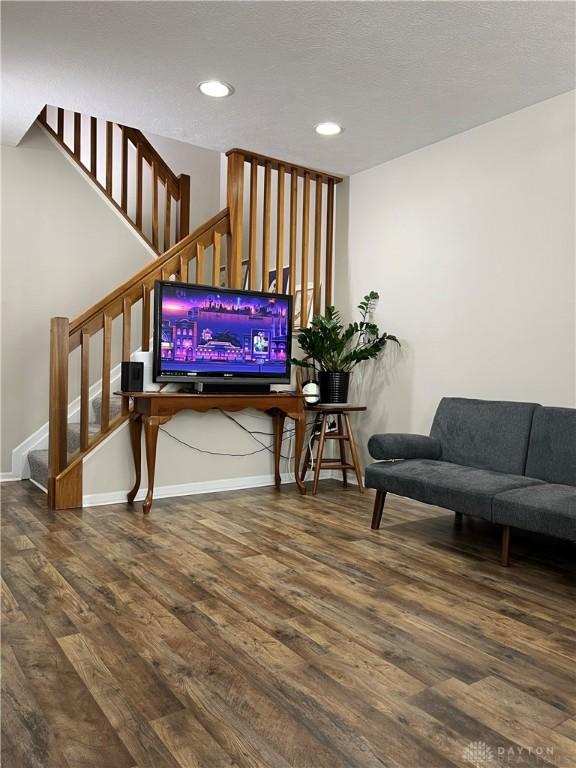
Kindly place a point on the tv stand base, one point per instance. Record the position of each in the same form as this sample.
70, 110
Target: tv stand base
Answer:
229, 388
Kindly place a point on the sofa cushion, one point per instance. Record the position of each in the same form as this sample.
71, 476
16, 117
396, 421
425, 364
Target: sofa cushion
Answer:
486, 434
462, 489
552, 446
545, 508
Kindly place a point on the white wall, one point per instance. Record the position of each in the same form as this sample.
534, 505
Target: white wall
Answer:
470, 243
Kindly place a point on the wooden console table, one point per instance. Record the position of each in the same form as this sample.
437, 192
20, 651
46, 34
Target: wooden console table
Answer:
151, 409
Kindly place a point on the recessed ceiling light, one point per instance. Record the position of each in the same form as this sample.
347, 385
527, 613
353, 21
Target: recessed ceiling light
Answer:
328, 129
215, 88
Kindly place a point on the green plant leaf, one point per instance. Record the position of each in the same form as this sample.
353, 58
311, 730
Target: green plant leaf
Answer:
335, 347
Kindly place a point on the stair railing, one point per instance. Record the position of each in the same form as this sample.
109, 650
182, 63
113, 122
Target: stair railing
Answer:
289, 238
128, 171
196, 258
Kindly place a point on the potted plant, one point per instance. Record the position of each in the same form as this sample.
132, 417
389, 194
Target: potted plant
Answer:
334, 349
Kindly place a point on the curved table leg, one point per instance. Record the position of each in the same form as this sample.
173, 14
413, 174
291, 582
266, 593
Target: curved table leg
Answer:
151, 424
136, 441
300, 434
279, 419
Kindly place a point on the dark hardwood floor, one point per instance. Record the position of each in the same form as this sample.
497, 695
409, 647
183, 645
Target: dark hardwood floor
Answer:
257, 628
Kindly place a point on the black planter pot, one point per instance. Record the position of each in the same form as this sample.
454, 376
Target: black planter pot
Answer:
334, 386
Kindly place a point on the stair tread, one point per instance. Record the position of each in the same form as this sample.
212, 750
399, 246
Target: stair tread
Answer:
74, 426
38, 459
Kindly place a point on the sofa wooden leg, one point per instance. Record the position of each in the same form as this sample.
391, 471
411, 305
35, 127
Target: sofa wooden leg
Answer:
458, 519
378, 507
505, 551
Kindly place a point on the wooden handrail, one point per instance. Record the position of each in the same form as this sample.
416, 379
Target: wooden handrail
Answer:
150, 154
275, 163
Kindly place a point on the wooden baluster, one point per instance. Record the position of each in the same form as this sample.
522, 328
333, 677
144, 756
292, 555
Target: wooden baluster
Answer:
84, 389
106, 367
126, 342
184, 220
305, 246
280, 230
184, 268
58, 402
145, 344
124, 190
167, 220
93, 146
200, 263
217, 259
154, 204
126, 330
329, 242
139, 185
293, 229
60, 128
109, 153
266, 226
253, 230
318, 246
236, 208
77, 134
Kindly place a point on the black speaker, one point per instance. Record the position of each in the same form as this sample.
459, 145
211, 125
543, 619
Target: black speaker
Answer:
132, 377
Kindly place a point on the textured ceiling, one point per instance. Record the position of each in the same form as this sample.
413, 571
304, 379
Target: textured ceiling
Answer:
397, 75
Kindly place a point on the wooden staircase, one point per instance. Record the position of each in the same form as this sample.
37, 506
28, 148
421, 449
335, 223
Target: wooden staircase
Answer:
127, 169
284, 232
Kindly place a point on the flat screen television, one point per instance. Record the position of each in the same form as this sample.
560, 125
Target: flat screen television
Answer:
215, 335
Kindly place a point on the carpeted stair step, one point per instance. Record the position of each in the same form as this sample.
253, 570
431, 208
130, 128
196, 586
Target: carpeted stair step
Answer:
74, 435
38, 461
115, 407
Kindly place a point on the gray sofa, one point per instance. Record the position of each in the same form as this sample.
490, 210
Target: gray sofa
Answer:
509, 463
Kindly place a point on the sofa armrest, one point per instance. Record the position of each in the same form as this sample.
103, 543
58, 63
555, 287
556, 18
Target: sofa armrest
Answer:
400, 446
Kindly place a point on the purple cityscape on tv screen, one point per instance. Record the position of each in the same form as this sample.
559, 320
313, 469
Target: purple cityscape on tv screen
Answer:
204, 332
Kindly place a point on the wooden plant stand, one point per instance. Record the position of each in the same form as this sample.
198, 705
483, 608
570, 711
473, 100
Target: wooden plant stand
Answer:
343, 434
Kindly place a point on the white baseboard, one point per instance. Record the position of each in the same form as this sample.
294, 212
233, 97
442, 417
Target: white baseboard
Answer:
186, 489
8, 477
38, 485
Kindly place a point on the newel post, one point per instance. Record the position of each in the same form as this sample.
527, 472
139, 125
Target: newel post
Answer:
236, 208
184, 225
58, 404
